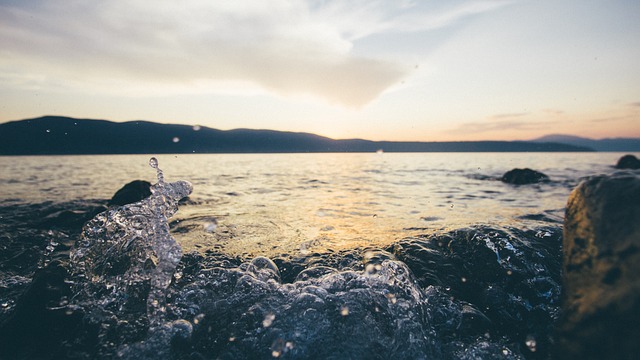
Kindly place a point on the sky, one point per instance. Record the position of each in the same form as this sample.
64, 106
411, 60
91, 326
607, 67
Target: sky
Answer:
429, 70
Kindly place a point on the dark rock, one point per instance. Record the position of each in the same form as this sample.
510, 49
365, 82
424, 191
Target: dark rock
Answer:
628, 162
601, 265
42, 320
131, 192
509, 280
524, 176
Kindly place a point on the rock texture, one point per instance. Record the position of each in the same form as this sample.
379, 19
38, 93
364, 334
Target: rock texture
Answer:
131, 192
523, 176
601, 300
628, 162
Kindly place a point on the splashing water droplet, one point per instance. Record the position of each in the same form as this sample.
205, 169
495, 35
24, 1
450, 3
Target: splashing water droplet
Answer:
531, 343
391, 297
176, 139
268, 320
153, 162
126, 255
196, 128
210, 226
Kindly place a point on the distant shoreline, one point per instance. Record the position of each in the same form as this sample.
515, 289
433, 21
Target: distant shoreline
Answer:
56, 135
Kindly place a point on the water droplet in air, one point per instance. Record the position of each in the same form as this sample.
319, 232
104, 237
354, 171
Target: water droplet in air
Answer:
153, 162
391, 298
268, 320
196, 128
199, 318
176, 139
531, 343
210, 226
48, 130
463, 279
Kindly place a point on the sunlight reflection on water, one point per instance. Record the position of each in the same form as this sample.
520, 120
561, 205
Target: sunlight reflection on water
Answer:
271, 204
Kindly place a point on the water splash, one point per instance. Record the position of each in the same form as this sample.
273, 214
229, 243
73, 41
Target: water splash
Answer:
126, 257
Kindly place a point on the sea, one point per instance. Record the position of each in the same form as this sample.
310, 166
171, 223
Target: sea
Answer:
263, 256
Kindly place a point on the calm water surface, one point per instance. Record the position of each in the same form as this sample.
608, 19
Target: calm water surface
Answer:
269, 204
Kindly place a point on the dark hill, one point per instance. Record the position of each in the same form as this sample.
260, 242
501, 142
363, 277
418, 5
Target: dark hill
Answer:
609, 144
55, 135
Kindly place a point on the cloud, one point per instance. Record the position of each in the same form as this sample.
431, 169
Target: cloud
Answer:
554, 112
357, 19
509, 115
500, 126
611, 119
288, 47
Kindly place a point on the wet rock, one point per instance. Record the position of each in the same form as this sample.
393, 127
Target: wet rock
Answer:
628, 162
523, 176
131, 192
601, 263
508, 279
42, 318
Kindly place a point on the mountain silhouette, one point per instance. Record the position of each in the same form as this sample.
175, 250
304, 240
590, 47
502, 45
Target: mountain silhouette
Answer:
57, 135
609, 144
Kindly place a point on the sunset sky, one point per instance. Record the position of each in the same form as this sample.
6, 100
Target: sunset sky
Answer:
430, 70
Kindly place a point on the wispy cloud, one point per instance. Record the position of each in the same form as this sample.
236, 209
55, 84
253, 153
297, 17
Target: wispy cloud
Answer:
361, 18
553, 112
509, 115
611, 119
281, 46
500, 126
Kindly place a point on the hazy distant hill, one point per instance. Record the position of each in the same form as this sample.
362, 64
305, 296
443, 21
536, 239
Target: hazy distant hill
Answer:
54, 135
615, 144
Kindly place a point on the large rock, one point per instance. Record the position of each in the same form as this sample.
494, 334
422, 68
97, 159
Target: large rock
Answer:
523, 176
601, 301
131, 192
628, 162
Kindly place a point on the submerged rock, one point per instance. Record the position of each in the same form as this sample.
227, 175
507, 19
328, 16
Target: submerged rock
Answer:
601, 263
131, 192
628, 162
523, 176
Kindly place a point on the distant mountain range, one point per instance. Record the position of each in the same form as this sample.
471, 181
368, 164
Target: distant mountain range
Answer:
56, 135
615, 144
